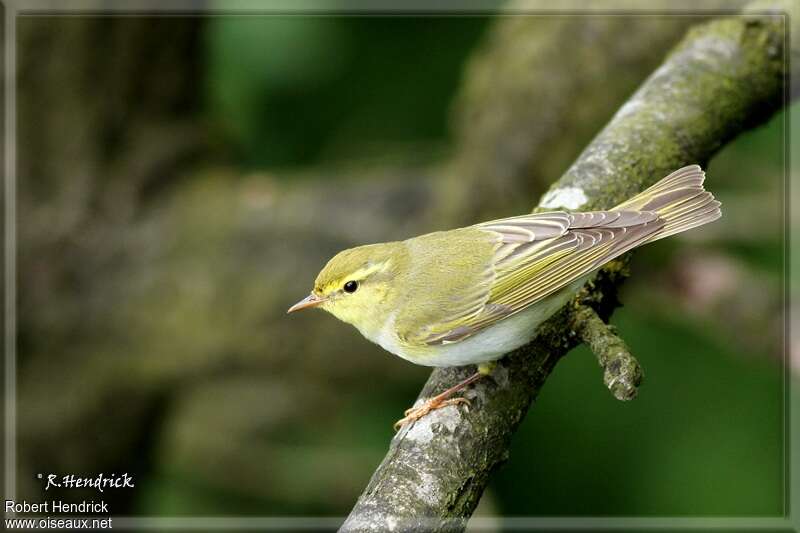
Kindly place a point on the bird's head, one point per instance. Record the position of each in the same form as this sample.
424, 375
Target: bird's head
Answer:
358, 286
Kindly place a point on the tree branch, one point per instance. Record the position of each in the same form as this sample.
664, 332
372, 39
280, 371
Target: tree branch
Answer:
724, 77
622, 372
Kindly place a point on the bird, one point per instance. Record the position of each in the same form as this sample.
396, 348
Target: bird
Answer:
470, 295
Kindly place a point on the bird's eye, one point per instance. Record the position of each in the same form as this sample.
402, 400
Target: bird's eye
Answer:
351, 286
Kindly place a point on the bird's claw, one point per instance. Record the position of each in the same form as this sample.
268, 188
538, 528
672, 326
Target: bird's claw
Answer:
415, 413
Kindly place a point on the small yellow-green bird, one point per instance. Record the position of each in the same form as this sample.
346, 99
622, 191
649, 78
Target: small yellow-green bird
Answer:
470, 295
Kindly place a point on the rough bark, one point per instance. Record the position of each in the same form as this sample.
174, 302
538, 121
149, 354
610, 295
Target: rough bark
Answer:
724, 77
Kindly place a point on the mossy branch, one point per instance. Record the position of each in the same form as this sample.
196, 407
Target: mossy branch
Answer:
622, 372
724, 77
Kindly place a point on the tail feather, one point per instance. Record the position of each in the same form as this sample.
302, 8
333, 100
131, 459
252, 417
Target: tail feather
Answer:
679, 199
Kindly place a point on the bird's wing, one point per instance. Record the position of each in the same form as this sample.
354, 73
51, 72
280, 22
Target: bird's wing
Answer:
535, 256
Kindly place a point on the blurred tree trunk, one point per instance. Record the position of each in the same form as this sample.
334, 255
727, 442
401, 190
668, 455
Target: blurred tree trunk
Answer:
108, 115
534, 95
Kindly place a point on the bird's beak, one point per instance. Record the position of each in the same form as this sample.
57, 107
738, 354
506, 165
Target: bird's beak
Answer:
312, 300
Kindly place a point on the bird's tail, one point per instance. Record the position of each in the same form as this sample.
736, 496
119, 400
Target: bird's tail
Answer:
679, 199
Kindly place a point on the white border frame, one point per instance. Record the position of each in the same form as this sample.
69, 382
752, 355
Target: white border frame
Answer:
355, 7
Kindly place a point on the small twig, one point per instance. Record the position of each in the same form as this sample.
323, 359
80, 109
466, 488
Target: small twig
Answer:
622, 372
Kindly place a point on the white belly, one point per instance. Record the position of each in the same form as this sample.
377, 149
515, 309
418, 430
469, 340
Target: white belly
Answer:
489, 344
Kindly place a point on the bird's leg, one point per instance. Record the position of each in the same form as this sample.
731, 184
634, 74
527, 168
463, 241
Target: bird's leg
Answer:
437, 402
443, 399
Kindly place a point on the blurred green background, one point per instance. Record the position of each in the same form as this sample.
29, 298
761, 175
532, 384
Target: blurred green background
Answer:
188, 177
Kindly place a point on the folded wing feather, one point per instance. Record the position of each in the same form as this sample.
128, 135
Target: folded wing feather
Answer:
538, 254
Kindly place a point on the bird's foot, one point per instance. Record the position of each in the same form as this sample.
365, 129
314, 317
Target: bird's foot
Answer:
415, 413
437, 402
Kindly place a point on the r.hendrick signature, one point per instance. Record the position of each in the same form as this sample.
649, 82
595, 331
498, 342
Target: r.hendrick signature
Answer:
99, 482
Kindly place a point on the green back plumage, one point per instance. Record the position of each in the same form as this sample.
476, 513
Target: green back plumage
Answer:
449, 282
